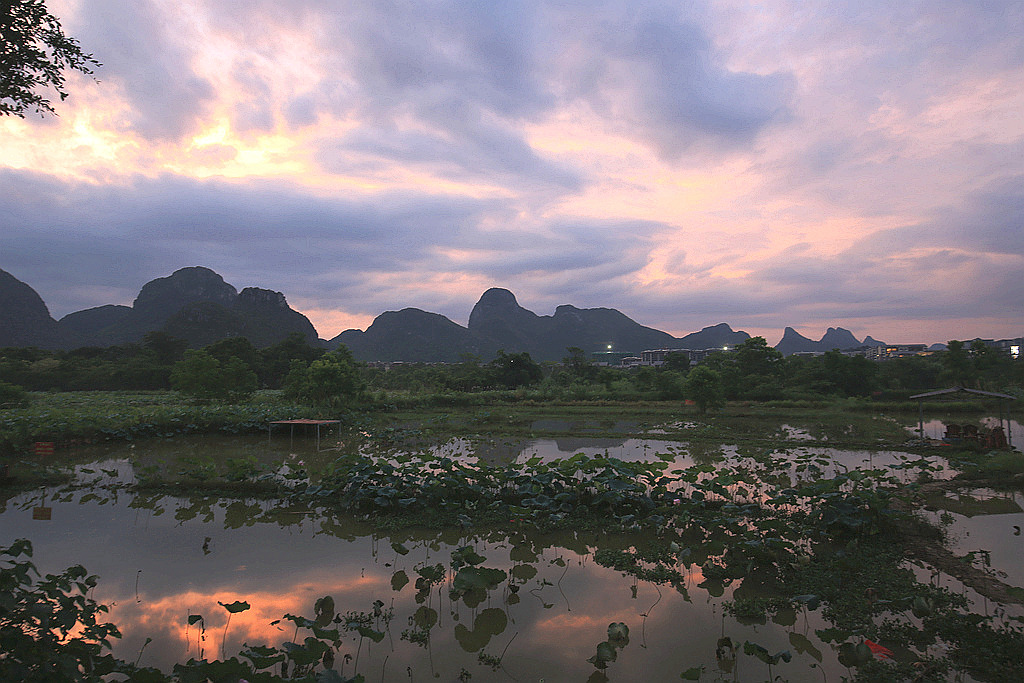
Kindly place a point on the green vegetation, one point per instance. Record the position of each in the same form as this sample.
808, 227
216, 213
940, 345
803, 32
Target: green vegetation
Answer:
704, 387
331, 382
85, 417
786, 537
202, 376
51, 633
753, 371
146, 366
11, 395
36, 55
772, 525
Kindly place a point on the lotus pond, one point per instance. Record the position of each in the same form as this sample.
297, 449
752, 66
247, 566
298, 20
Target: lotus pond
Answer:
570, 550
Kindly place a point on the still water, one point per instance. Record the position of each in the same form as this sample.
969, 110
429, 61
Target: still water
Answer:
161, 559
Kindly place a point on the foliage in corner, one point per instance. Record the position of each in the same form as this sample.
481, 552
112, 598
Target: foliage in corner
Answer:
36, 54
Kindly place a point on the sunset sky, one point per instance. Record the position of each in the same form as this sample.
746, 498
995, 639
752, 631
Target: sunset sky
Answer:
810, 163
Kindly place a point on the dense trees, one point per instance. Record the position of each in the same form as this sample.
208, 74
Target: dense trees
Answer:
704, 387
34, 55
144, 366
332, 381
11, 395
752, 372
511, 370
202, 376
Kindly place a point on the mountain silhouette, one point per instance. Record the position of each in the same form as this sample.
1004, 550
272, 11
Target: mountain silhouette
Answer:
194, 304
24, 318
197, 305
497, 321
834, 338
415, 336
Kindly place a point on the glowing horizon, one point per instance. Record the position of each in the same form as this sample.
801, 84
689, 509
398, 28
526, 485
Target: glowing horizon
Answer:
814, 165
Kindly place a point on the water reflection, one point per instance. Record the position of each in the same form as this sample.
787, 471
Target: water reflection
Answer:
988, 525
936, 428
162, 559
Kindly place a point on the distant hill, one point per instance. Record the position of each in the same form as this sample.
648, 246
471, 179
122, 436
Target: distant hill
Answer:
24, 318
412, 335
497, 321
500, 320
835, 338
711, 338
197, 305
194, 304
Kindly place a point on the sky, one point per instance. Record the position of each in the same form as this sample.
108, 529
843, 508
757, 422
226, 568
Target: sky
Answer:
804, 163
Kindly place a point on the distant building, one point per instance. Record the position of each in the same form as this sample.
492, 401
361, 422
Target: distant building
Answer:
897, 351
656, 357
609, 358
1009, 346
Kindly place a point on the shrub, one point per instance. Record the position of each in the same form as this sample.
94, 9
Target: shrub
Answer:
202, 376
11, 395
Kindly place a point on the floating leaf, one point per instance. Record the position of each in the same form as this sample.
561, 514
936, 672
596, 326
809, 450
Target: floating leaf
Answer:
618, 634
466, 555
425, 617
524, 572
398, 580
367, 632
605, 653
490, 622
803, 645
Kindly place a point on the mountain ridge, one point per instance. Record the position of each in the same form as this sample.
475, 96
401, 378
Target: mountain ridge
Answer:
497, 321
196, 304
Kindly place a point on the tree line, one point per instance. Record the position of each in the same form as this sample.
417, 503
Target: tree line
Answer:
231, 369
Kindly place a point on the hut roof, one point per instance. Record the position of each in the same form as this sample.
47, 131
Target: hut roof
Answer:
954, 390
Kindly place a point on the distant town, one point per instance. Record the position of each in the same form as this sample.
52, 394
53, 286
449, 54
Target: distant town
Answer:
875, 352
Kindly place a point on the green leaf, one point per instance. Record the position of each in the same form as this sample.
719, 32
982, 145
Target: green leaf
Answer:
235, 607
811, 601
605, 653
398, 580
262, 657
618, 634
692, 674
324, 609
367, 632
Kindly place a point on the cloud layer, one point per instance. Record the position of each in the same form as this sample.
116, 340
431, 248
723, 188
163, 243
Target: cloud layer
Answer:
771, 164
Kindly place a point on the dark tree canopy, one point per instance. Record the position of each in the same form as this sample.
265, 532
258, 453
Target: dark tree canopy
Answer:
34, 54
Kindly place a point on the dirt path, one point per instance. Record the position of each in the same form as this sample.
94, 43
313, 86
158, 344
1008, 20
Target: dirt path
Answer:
927, 546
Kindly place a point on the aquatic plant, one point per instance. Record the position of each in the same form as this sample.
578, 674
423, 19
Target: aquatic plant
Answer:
50, 629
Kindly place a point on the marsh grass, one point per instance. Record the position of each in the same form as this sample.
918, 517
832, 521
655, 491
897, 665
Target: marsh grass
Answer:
75, 418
